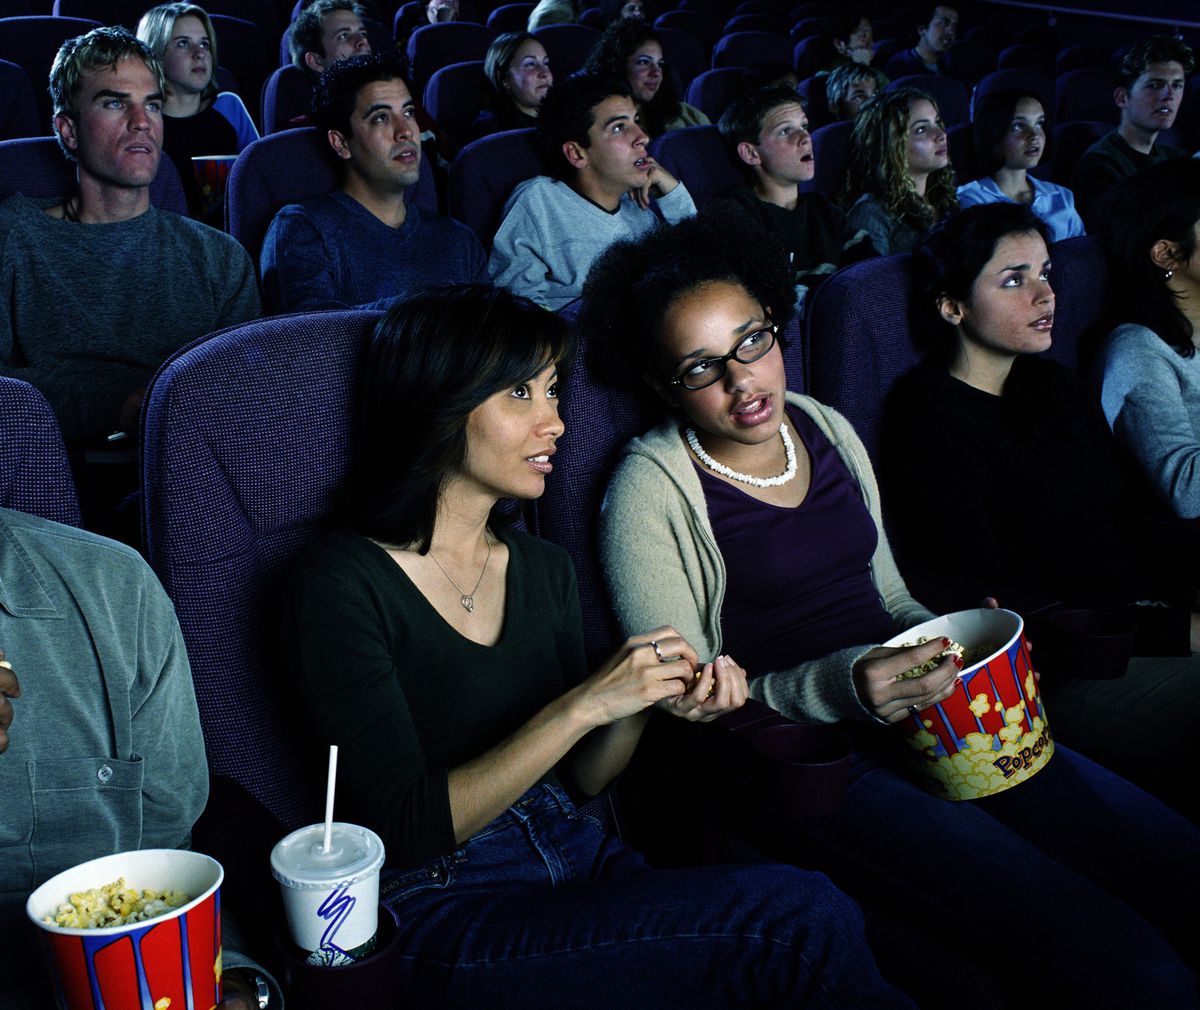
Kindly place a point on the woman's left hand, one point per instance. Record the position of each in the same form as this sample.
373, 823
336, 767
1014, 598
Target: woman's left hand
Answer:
720, 687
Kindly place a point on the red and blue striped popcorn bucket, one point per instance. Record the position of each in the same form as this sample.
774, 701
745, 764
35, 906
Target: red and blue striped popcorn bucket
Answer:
991, 733
169, 962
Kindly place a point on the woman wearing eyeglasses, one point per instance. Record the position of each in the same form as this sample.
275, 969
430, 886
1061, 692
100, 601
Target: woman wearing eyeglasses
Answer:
750, 520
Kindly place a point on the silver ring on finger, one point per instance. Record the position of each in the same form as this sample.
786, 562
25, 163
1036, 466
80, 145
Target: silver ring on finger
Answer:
914, 711
658, 652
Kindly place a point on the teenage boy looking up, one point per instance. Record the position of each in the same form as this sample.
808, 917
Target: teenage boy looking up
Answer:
767, 130
607, 188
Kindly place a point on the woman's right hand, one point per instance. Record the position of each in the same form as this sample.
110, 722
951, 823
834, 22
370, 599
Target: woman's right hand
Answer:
634, 678
876, 673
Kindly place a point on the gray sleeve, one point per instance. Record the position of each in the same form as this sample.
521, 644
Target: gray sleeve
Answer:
676, 205
242, 302
516, 262
1152, 412
868, 216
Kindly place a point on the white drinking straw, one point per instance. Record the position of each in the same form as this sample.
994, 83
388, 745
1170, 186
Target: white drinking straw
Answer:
329, 798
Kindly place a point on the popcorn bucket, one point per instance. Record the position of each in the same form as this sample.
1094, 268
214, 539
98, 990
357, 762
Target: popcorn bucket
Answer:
169, 962
212, 176
991, 733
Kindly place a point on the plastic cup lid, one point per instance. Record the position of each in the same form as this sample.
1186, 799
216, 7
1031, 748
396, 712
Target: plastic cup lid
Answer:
298, 860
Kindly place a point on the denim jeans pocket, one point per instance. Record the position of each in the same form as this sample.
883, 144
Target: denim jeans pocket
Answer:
397, 886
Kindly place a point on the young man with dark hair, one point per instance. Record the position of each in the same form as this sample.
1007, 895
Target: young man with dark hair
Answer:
99, 288
604, 189
325, 32
767, 131
937, 28
364, 243
1150, 83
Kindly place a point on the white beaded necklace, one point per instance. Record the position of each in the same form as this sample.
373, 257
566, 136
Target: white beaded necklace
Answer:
789, 471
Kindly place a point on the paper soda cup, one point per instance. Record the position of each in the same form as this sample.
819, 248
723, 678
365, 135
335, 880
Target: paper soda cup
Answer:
331, 899
991, 733
170, 961
212, 176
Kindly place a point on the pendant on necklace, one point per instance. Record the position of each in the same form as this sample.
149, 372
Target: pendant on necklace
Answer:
468, 603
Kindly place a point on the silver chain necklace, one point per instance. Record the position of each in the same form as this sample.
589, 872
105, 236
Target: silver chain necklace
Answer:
467, 599
789, 450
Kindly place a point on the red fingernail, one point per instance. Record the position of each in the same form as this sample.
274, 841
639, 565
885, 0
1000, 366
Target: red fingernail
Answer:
946, 642
957, 662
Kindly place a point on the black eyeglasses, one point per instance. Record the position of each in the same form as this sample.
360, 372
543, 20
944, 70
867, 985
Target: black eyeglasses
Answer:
749, 349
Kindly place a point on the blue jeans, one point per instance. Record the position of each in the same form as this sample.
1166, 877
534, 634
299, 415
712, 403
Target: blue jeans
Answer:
542, 909
1067, 886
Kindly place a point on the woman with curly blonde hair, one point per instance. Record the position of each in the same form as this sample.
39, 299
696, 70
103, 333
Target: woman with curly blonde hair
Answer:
900, 181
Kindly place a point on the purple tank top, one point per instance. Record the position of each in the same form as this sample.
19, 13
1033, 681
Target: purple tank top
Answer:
798, 581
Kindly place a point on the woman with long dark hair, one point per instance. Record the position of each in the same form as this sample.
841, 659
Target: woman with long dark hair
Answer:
1036, 492
631, 51
442, 650
750, 516
1009, 135
518, 69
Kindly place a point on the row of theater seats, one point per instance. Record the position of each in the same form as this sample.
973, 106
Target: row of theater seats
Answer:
246, 435
707, 72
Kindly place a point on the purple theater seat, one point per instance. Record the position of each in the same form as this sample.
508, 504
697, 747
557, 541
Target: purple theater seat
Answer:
831, 153
1025, 80
700, 158
18, 106
242, 49
1070, 140
712, 91
600, 418
454, 96
32, 43
859, 336
1027, 56
567, 46
37, 167
432, 47
290, 167
246, 435
811, 55
749, 49
685, 55
772, 23
1083, 56
705, 27
813, 91
969, 60
1086, 94
484, 174
260, 12
34, 474
510, 18
809, 27
962, 153
951, 96
592, 17
287, 95
106, 12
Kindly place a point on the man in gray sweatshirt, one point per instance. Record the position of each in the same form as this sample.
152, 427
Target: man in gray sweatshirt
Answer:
608, 188
99, 288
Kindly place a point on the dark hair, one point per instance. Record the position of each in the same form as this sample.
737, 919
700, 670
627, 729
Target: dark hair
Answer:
499, 58
568, 113
1155, 49
610, 10
842, 26
948, 259
923, 13
633, 284
621, 40
1160, 202
430, 361
742, 122
306, 33
989, 126
336, 91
